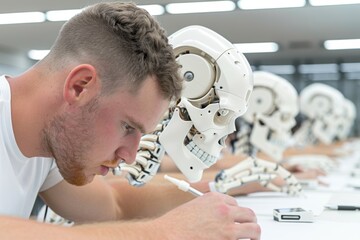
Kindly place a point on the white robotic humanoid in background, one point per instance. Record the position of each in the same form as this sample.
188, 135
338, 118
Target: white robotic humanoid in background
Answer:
217, 87
323, 108
271, 115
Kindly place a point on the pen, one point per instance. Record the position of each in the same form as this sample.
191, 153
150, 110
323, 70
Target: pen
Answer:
184, 186
343, 207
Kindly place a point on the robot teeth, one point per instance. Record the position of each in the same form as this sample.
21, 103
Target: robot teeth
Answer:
201, 154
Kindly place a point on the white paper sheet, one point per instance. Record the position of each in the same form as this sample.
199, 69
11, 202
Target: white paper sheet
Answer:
263, 203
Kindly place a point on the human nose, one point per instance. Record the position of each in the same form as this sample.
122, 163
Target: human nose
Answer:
128, 148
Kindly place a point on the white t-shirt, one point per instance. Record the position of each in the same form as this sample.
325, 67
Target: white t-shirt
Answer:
21, 178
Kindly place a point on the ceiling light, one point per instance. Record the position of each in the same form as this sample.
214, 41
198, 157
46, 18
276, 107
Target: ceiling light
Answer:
61, 15
37, 54
257, 47
278, 69
23, 17
342, 44
350, 67
332, 2
266, 4
318, 68
324, 77
200, 7
153, 9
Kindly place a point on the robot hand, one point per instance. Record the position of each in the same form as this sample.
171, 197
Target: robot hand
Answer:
256, 170
217, 88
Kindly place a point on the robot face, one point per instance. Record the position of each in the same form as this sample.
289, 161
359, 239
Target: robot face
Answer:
272, 110
217, 88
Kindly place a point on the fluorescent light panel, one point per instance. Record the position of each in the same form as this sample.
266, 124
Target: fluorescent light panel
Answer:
332, 2
342, 44
350, 67
200, 7
257, 47
37, 54
61, 15
278, 69
153, 9
23, 17
267, 4
325, 77
318, 68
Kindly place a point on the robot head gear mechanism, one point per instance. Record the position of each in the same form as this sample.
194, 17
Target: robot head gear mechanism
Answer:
272, 110
217, 86
323, 105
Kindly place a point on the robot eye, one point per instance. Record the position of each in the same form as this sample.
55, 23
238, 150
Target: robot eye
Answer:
223, 117
222, 112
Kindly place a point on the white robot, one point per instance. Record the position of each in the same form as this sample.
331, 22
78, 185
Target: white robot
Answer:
271, 115
323, 107
217, 86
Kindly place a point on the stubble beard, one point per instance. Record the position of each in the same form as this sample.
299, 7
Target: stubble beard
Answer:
68, 138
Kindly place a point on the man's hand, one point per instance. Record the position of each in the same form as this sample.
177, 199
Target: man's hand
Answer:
212, 216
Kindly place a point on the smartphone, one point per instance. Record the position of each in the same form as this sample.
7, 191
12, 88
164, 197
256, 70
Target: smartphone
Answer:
292, 215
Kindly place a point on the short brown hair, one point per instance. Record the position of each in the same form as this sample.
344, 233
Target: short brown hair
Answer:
124, 42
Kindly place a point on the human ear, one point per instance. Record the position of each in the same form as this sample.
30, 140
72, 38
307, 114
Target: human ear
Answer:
81, 84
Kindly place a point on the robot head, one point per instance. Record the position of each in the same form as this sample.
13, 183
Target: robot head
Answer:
347, 120
323, 106
272, 110
217, 87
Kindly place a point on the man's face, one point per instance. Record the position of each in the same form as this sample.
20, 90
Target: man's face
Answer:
88, 140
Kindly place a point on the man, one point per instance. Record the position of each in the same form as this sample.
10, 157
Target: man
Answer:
107, 80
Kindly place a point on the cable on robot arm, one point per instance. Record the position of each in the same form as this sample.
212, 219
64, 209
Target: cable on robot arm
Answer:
257, 170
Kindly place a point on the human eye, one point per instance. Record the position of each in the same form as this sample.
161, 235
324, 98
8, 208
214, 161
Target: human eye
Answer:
127, 128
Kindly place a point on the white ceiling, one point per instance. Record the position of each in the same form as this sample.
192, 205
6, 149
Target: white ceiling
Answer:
299, 31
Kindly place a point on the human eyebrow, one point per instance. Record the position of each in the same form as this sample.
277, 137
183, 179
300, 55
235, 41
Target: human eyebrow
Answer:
136, 125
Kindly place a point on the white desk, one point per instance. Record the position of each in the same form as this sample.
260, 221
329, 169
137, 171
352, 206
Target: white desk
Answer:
328, 224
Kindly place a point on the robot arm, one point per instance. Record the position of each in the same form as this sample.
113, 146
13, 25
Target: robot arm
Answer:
256, 170
217, 87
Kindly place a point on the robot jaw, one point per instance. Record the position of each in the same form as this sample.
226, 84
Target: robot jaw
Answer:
195, 144
263, 138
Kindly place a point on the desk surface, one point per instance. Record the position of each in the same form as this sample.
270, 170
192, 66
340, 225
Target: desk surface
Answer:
328, 224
